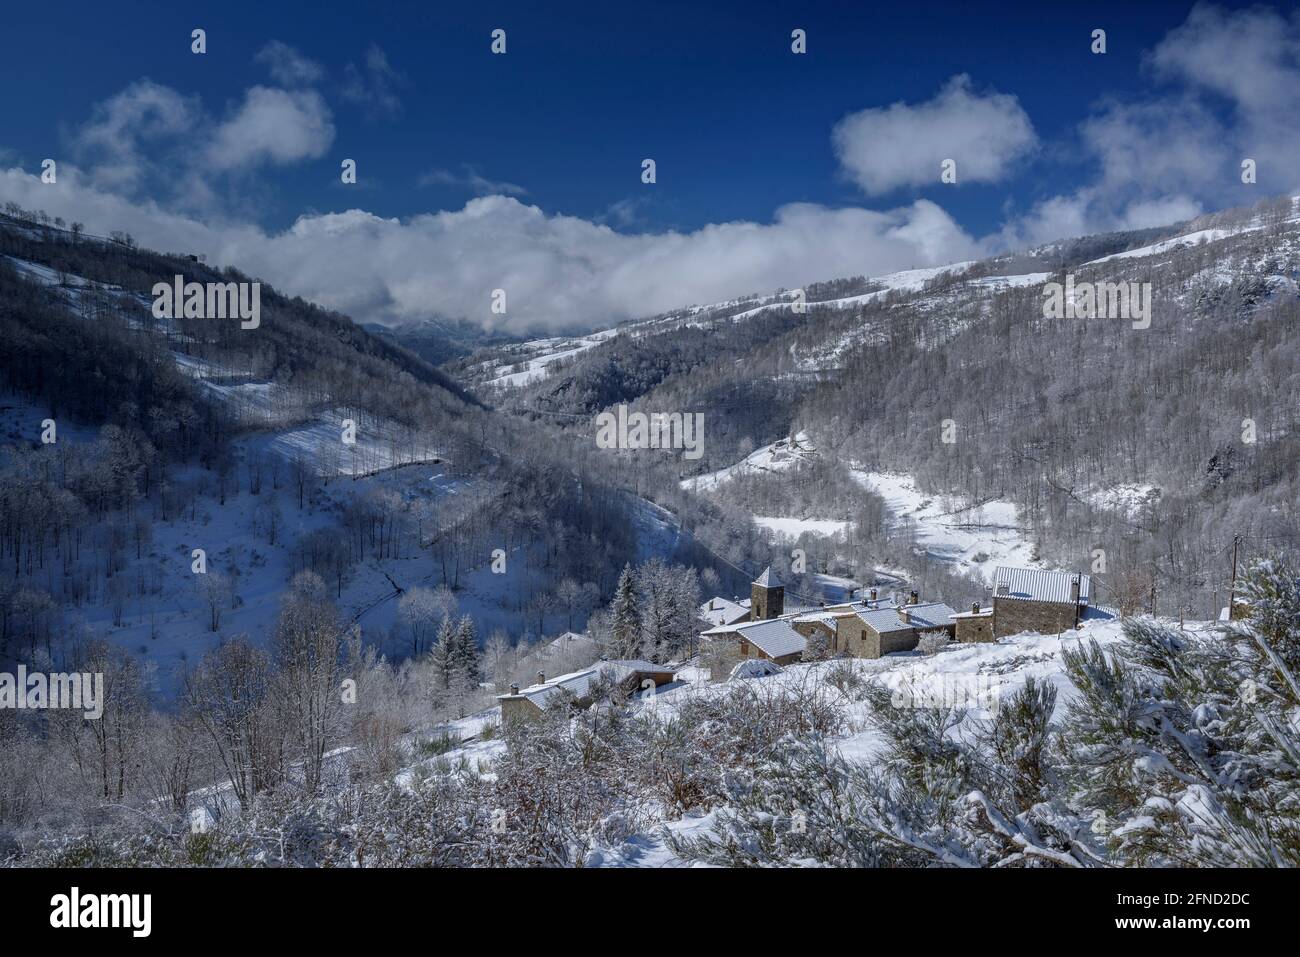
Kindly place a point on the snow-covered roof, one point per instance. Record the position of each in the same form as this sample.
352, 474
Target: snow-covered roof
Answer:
982, 613
883, 620
1033, 584
755, 668
721, 611
930, 614
635, 664
823, 617
769, 579
775, 637
575, 683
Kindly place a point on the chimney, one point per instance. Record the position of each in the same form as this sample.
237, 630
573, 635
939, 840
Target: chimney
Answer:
974, 608
905, 613
873, 594
541, 677
913, 598
1074, 589
710, 604
514, 689
1004, 588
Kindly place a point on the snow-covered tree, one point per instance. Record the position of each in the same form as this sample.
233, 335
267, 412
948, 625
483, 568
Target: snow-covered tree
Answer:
625, 628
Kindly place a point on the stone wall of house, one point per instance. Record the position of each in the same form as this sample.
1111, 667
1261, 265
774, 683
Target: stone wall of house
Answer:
975, 628
766, 603
1013, 615
892, 641
814, 631
858, 639
851, 637
518, 709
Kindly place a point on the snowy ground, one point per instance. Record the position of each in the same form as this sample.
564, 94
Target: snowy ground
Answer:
974, 540
1128, 499
789, 529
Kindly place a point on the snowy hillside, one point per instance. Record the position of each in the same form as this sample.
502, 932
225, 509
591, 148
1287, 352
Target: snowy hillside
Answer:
980, 676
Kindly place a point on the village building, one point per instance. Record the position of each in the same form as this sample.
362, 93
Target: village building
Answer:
767, 596
631, 675
974, 625
775, 640
879, 628
720, 611
868, 628
1031, 599
1025, 599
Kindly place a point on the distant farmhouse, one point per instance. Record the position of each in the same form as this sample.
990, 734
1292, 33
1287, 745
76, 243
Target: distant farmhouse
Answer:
1024, 599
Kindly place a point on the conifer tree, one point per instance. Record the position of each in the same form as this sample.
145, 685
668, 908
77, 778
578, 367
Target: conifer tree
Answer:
626, 630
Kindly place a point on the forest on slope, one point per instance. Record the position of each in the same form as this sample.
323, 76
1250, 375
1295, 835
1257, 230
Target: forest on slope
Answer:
1198, 412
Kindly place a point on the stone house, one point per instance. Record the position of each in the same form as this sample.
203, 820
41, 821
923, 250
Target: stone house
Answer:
631, 675
881, 629
974, 625
776, 640
1030, 599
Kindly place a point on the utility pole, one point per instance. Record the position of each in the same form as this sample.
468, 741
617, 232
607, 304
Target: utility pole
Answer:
1232, 590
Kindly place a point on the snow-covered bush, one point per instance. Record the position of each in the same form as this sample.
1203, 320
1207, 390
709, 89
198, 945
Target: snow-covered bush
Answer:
933, 642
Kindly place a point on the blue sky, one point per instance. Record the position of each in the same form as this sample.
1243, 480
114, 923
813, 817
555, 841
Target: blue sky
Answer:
511, 170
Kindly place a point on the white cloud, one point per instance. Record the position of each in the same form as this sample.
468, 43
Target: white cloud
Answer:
1251, 57
1159, 158
122, 130
469, 178
271, 125
288, 66
1232, 92
374, 84
559, 272
903, 145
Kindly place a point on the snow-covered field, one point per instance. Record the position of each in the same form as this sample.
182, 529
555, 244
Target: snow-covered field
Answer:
974, 539
789, 529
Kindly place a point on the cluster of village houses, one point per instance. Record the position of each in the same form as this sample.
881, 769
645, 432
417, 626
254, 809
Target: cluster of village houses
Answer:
764, 627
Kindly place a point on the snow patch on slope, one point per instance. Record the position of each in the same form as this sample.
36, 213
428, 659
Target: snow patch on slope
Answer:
782, 455
973, 538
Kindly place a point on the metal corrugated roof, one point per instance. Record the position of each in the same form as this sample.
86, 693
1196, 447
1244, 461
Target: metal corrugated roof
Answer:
774, 638
1035, 584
